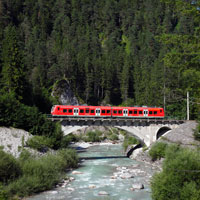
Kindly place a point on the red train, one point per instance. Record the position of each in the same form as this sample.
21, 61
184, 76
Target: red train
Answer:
106, 111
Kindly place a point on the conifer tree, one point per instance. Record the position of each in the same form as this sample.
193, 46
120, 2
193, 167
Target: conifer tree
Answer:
13, 69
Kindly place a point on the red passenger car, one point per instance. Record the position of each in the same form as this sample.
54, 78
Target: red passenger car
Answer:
106, 111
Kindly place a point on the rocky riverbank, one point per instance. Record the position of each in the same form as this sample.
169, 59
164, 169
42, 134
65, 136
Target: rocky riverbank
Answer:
183, 136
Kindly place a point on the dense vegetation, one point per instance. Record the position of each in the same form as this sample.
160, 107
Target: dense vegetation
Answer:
28, 175
157, 151
129, 52
128, 141
180, 177
126, 52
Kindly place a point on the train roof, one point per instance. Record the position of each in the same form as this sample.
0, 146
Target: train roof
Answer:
108, 107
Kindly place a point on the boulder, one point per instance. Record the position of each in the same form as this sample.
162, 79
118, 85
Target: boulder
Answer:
103, 193
77, 172
137, 186
92, 186
70, 189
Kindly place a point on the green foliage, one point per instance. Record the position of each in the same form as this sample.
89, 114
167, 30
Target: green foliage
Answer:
157, 151
40, 143
36, 174
3, 192
9, 167
93, 136
112, 137
180, 177
69, 158
197, 132
67, 139
126, 52
13, 68
18, 115
129, 140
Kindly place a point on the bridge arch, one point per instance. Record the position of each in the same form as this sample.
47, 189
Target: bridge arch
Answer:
161, 131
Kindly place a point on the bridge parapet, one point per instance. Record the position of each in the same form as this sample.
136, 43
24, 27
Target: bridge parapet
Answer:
114, 122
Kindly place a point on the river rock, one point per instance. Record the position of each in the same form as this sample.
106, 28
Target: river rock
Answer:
77, 172
137, 186
53, 192
103, 193
92, 186
71, 178
126, 176
70, 189
113, 177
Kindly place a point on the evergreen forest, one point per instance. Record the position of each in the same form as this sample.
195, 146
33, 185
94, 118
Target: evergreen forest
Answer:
110, 52
116, 52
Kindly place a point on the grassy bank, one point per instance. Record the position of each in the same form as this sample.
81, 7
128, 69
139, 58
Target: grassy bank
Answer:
28, 175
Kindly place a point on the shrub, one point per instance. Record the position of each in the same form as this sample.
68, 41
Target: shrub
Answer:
18, 115
129, 140
9, 167
69, 158
157, 151
3, 192
113, 137
197, 132
93, 136
180, 178
66, 140
42, 173
40, 143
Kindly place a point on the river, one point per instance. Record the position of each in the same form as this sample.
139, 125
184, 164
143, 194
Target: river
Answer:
101, 177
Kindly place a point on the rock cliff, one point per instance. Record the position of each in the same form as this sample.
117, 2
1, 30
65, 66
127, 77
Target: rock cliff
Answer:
64, 94
13, 140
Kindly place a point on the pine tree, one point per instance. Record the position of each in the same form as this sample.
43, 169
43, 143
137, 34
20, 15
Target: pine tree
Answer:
13, 76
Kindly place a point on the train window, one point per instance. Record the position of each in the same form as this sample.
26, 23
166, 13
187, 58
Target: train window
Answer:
103, 111
58, 108
97, 111
64, 110
115, 111
130, 112
140, 112
87, 111
120, 112
150, 112
160, 110
155, 112
92, 111
81, 111
135, 112
108, 111
70, 110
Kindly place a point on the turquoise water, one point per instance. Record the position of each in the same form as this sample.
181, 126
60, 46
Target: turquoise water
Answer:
96, 175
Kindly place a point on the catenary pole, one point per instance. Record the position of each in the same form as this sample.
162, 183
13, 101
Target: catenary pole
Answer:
188, 107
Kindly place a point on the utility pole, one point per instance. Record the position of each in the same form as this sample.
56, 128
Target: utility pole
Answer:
188, 107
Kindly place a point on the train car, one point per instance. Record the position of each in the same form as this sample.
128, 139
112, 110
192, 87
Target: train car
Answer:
106, 111
81, 111
138, 112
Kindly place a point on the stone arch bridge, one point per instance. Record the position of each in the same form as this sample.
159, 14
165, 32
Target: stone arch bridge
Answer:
146, 130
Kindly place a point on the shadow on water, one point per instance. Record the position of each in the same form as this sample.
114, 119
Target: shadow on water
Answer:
101, 157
